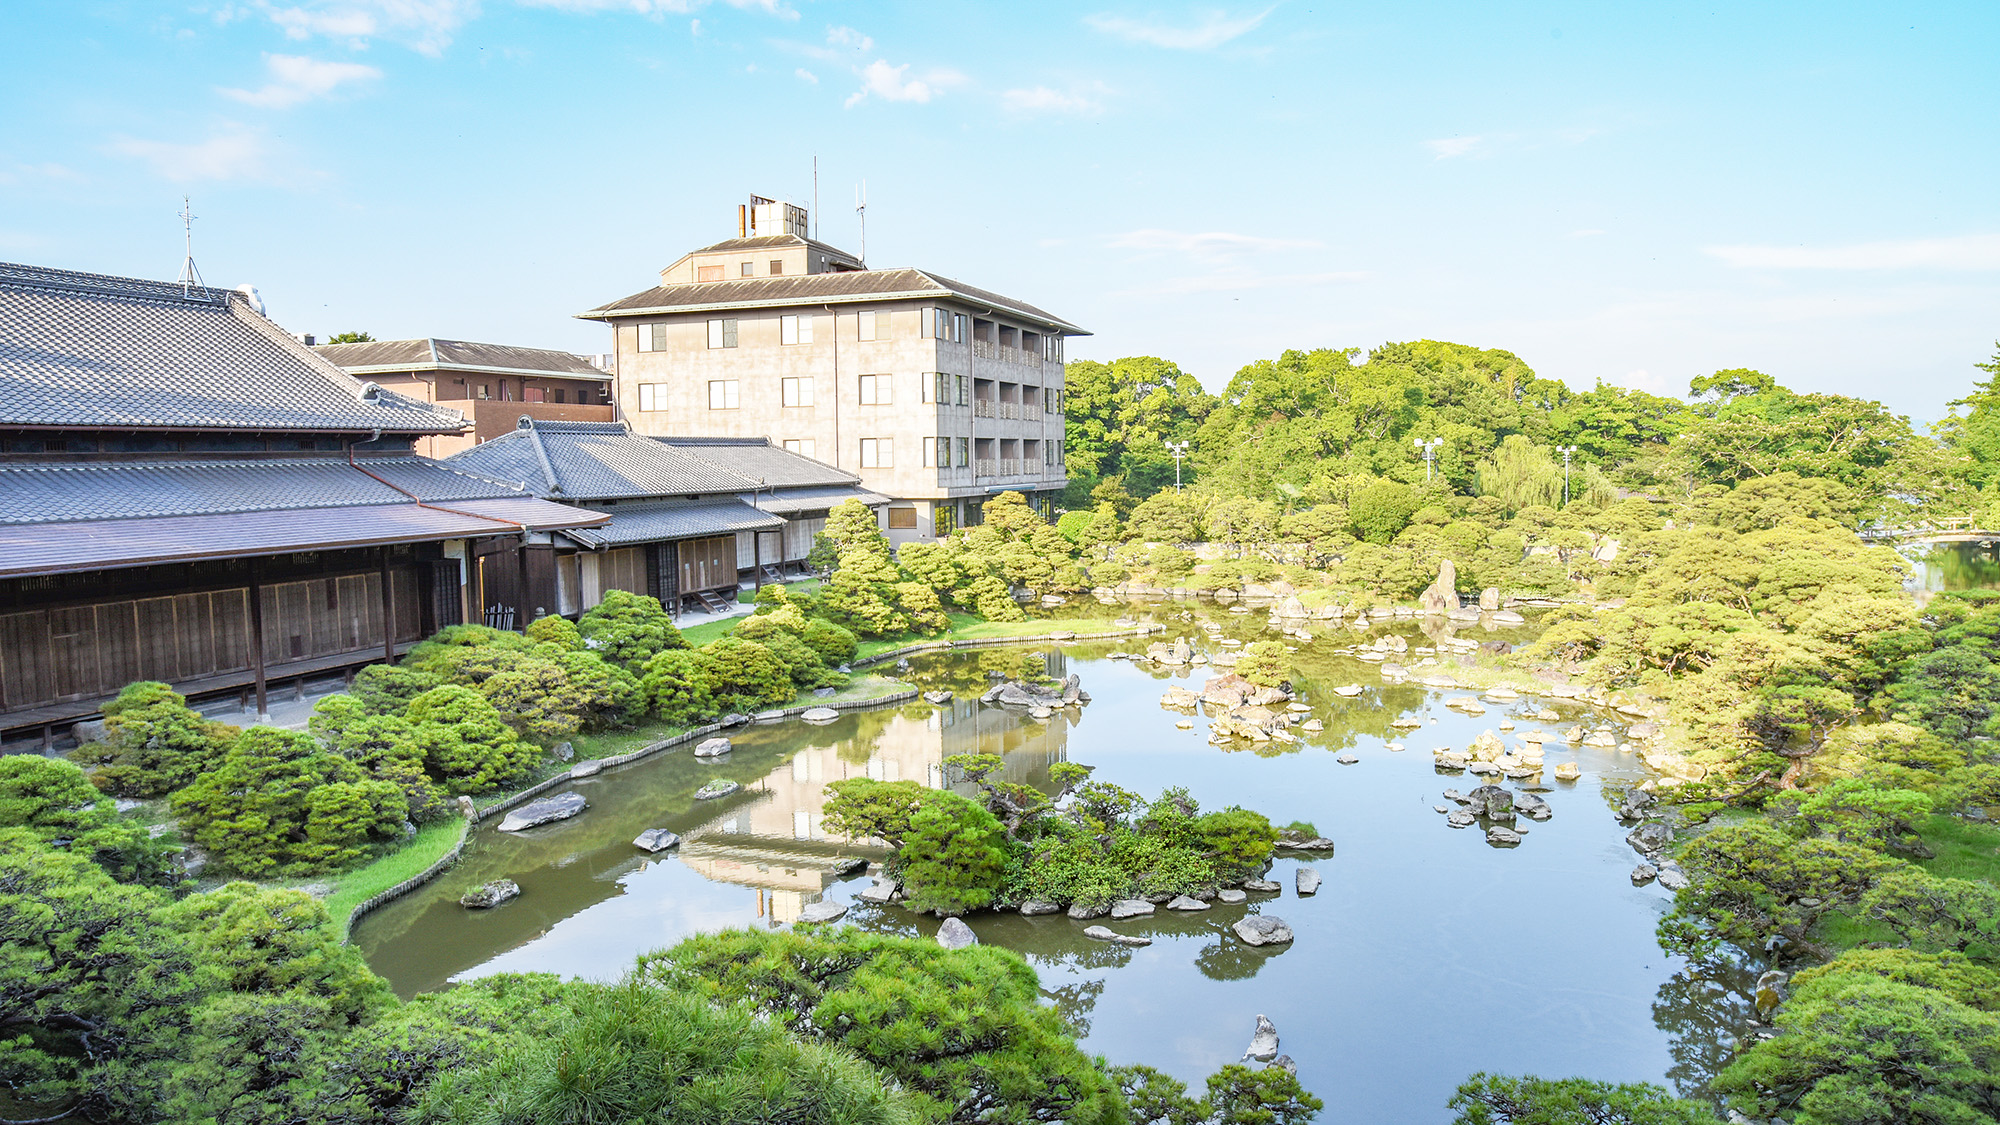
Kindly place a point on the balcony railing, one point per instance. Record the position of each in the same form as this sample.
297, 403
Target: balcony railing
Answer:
985, 350
982, 408
1010, 410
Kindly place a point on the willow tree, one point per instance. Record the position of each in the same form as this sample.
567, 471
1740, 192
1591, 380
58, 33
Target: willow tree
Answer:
1521, 474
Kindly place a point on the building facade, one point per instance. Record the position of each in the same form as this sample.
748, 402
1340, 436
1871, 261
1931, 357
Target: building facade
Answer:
936, 393
493, 385
193, 496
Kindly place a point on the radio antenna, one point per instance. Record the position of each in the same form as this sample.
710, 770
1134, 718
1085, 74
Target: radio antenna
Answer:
861, 209
190, 277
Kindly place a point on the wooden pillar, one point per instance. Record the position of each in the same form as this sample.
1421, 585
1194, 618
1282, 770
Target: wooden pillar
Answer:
757, 559
388, 612
257, 639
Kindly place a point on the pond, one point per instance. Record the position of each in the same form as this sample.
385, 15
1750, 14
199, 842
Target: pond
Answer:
1956, 566
1427, 955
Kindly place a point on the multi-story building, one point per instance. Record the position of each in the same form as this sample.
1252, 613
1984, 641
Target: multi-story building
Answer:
494, 385
937, 393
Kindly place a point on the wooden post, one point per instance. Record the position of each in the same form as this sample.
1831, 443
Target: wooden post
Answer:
257, 639
388, 612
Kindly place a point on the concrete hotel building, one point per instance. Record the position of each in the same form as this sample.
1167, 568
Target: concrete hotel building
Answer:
937, 393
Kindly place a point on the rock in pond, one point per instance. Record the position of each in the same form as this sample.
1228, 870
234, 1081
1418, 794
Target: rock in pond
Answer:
490, 895
1083, 913
849, 865
1643, 874
1568, 771
1186, 902
955, 934
1130, 908
1305, 843
1306, 879
735, 719
655, 840
1264, 1041
589, 767
939, 698
1490, 800
720, 787
1672, 877
1262, 929
820, 715
1230, 895
881, 890
1346, 758
1105, 933
1532, 806
1650, 837
545, 811
712, 747
823, 912
1263, 886
1461, 818
1036, 906
1501, 837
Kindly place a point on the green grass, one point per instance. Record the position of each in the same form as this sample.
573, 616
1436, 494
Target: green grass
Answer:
429, 845
699, 635
1965, 850
970, 627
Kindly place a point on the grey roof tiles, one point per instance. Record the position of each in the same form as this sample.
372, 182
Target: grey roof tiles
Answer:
432, 354
595, 461
854, 285
651, 523
94, 351
49, 492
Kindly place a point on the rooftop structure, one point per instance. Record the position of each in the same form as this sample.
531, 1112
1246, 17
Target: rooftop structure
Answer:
493, 384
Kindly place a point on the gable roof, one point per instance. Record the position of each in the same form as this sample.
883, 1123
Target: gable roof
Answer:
818, 288
756, 459
432, 354
773, 242
595, 461
95, 351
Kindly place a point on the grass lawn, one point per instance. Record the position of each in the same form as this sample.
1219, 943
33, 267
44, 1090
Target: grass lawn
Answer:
353, 888
1964, 851
970, 627
604, 744
699, 635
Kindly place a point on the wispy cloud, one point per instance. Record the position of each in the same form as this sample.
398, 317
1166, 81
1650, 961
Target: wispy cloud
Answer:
1962, 252
893, 83
661, 7
426, 26
295, 78
1085, 99
234, 153
1240, 280
1208, 30
805, 75
1211, 245
1444, 148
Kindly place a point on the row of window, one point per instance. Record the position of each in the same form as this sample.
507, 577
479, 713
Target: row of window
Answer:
937, 324
744, 269
939, 453
875, 390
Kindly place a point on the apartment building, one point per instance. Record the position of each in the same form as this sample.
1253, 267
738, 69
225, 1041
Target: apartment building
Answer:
938, 394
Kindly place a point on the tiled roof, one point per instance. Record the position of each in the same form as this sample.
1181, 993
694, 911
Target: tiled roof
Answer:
772, 242
90, 350
813, 499
756, 459
53, 492
432, 354
654, 523
817, 288
595, 461
53, 548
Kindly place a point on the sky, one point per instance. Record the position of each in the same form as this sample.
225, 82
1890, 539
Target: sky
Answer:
1632, 193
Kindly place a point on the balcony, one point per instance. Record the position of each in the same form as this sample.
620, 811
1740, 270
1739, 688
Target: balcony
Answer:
1010, 410
982, 408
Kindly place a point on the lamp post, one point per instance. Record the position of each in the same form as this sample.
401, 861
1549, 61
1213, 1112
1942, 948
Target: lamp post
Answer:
1566, 450
1430, 453
1179, 450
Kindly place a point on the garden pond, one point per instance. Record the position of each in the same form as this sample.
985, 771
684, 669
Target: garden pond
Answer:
1426, 955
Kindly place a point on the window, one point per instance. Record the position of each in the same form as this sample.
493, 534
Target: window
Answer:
877, 453
875, 390
749, 269
722, 394
944, 521
1048, 453
797, 392
652, 396
902, 519
937, 453
958, 328
801, 446
652, 337
866, 326
722, 333
777, 267
533, 394
1048, 401
558, 395
708, 273
964, 452
795, 330
936, 386
964, 389
485, 390
935, 324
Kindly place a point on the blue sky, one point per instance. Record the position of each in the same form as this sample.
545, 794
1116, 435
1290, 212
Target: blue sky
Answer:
1638, 193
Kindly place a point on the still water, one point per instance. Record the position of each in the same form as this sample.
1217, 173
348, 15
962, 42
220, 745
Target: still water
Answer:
1956, 566
1427, 954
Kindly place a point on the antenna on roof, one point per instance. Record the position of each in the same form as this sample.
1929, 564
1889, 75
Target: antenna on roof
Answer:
190, 277
861, 209
815, 214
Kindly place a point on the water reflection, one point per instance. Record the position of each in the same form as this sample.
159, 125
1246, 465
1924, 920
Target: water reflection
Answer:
1958, 566
1426, 954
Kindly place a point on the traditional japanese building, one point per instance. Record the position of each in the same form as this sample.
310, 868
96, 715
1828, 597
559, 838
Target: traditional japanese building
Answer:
189, 494
690, 519
492, 384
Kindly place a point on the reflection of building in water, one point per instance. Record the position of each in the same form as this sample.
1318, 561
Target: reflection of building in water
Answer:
777, 841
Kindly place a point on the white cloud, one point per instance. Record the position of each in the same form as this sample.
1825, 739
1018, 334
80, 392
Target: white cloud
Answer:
422, 25
296, 78
1044, 99
1207, 244
1962, 252
1447, 147
1211, 29
879, 79
807, 76
849, 38
233, 154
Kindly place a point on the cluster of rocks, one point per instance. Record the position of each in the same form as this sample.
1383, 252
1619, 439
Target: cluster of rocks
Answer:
1652, 836
491, 895
1041, 700
1489, 755
714, 790
1498, 808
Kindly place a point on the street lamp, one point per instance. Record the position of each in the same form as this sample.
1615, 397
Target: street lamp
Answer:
1430, 453
1179, 450
1565, 450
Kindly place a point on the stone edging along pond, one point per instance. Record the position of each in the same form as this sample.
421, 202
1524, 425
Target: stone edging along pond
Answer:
690, 735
